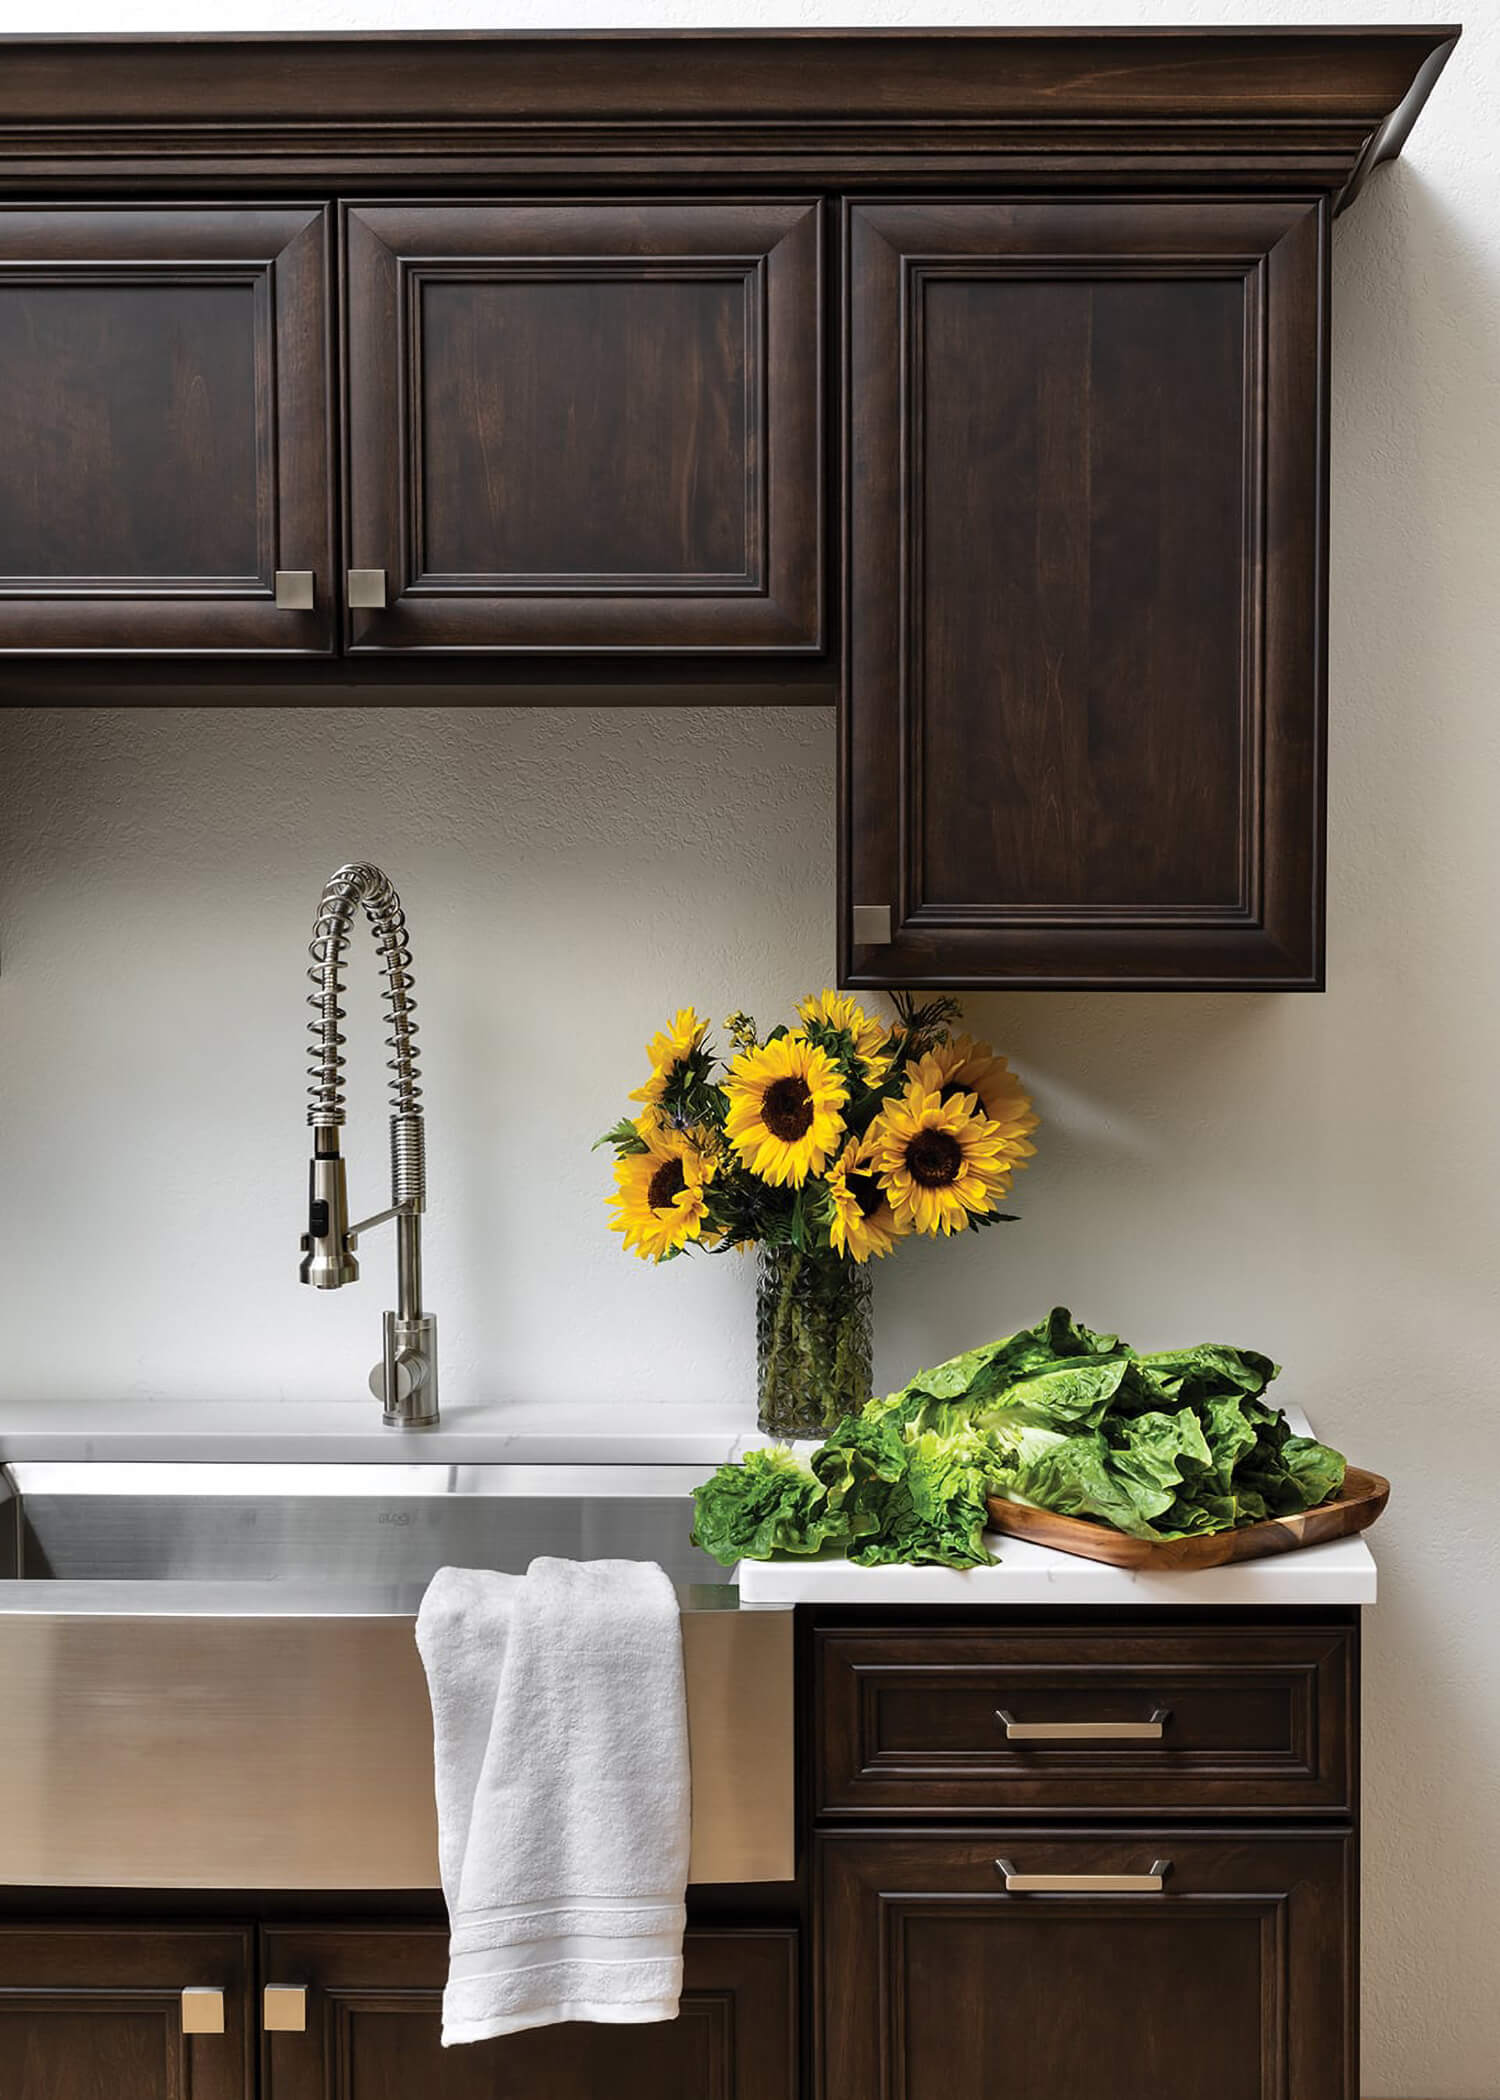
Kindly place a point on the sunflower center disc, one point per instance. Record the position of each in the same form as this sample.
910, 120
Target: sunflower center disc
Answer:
933, 1158
787, 1109
867, 1193
667, 1184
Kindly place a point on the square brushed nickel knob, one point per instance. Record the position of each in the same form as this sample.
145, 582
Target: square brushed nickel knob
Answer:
284, 2008
294, 590
872, 925
202, 2011
367, 589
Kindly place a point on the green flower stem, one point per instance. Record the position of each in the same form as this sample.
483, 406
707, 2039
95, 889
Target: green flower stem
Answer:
813, 1334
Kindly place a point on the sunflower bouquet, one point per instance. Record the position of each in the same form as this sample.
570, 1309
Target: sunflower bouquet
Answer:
823, 1145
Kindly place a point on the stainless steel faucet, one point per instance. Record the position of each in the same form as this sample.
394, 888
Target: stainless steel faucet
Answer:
405, 1380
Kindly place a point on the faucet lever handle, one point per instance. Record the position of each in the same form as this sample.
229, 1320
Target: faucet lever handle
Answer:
405, 1379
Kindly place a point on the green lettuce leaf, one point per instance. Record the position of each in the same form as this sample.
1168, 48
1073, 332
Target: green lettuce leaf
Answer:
769, 1503
1166, 1445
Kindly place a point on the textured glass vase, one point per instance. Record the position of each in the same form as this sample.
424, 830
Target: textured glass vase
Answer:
813, 1336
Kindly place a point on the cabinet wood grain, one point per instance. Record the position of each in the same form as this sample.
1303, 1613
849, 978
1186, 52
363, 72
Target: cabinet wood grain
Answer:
374, 2023
94, 2012
931, 1979
586, 426
1084, 679
1252, 1719
165, 445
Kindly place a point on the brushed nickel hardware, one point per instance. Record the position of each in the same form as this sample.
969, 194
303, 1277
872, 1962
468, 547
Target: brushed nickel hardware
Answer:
872, 925
294, 590
202, 2011
1147, 1884
405, 1380
1085, 1731
283, 2008
367, 589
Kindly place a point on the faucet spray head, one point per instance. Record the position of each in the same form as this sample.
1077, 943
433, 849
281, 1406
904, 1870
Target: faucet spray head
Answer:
327, 1263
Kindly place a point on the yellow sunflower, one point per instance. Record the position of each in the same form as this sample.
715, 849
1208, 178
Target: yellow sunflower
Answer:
966, 1067
844, 1015
938, 1160
863, 1222
659, 1193
784, 1109
667, 1048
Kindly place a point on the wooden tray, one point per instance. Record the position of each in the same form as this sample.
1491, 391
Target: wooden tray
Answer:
1355, 1507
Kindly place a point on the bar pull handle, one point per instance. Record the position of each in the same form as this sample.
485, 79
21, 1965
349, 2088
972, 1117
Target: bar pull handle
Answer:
294, 590
367, 589
202, 2010
283, 2008
1149, 1731
1148, 1884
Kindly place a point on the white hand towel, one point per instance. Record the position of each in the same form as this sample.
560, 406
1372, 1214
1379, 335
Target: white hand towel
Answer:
564, 1807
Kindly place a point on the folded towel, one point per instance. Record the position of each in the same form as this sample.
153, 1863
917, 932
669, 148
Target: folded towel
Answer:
560, 1745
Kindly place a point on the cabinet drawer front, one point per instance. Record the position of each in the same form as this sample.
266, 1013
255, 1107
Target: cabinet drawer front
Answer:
590, 427
941, 1721
1235, 1978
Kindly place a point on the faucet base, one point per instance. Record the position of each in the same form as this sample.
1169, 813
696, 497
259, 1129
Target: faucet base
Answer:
405, 1381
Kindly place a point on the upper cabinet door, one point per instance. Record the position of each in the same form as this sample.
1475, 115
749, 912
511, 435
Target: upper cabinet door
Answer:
164, 435
585, 427
1084, 696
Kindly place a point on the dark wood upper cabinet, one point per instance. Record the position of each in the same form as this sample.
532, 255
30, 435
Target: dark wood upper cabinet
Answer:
1049, 524
585, 427
164, 432
1086, 519
97, 2012
373, 2021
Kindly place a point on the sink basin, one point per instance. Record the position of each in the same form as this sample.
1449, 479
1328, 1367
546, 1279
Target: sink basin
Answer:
208, 1677
387, 1525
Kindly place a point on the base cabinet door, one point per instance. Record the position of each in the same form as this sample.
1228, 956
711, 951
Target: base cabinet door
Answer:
1234, 1979
372, 2017
124, 2013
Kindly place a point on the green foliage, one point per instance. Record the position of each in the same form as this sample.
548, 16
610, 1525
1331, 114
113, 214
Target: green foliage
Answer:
1161, 1446
770, 1503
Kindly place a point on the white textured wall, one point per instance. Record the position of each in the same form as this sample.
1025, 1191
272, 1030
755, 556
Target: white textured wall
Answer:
1316, 1176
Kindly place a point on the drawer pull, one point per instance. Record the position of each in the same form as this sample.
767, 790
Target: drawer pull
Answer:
1085, 1731
1148, 1884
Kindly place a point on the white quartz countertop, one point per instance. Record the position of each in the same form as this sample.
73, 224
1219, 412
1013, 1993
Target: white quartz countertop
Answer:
350, 1432
1342, 1572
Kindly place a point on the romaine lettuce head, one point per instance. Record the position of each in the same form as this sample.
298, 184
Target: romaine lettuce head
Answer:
1057, 1416
771, 1502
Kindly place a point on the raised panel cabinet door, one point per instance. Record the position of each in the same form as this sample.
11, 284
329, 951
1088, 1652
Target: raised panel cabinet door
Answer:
585, 427
165, 436
91, 2012
373, 2021
1084, 691
941, 1967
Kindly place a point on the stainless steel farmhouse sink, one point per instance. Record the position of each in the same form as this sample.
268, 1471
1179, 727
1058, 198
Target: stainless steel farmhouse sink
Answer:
208, 1677
387, 1525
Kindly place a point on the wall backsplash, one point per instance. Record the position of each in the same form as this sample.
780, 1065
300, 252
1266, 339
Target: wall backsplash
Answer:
1315, 1176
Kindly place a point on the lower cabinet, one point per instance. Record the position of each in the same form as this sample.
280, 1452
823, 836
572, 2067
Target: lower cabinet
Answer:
124, 2013
1046, 1966
372, 2020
